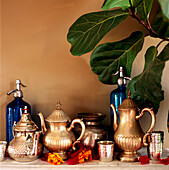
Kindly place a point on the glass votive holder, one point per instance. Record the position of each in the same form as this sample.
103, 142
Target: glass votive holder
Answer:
105, 150
2, 150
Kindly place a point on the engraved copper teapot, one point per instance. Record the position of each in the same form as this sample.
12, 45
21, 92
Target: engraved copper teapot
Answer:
58, 137
128, 133
25, 146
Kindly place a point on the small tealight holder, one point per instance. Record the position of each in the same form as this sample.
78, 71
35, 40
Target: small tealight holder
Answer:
105, 150
2, 150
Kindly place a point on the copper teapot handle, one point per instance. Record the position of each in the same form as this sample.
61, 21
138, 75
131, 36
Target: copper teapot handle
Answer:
150, 110
82, 132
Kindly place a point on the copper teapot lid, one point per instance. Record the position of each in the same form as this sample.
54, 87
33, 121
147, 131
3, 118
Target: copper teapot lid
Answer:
58, 115
128, 103
25, 123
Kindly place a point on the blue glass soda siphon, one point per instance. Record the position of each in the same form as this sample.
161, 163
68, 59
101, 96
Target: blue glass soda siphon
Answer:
119, 94
14, 110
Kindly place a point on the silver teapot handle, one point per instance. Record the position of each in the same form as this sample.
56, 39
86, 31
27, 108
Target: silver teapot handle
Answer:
150, 110
82, 132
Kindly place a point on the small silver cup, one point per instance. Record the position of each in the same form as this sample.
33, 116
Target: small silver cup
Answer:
105, 150
2, 150
155, 147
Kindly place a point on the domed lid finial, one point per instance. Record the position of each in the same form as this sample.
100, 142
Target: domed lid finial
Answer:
58, 105
58, 115
128, 103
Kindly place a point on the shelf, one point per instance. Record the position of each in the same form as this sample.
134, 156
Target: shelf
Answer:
38, 164
117, 165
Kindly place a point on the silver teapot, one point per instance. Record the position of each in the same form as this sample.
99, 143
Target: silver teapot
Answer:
58, 137
25, 145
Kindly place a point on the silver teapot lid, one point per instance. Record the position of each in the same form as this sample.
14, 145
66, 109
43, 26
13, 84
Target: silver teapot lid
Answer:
25, 123
58, 115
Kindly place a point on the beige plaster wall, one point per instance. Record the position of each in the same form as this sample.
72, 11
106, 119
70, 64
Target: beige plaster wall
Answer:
34, 49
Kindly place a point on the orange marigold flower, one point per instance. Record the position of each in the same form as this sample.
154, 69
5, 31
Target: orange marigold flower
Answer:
80, 156
81, 160
54, 159
84, 155
87, 154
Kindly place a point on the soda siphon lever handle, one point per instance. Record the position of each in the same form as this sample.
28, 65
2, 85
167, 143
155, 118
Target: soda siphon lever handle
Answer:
17, 92
120, 72
127, 78
121, 80
12, 91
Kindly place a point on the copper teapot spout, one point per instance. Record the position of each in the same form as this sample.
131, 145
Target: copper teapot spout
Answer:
115, 125
43, 126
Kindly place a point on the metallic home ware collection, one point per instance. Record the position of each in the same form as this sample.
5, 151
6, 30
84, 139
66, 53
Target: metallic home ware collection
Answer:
59, 138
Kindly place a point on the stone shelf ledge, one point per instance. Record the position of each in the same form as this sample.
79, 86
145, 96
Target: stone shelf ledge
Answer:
38, 164
95, 164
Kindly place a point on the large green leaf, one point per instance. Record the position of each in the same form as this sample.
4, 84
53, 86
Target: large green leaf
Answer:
108, 4
165, 7
124, 4
90, 28
144, 9
135, 3
146, 88
161, 24
107, 58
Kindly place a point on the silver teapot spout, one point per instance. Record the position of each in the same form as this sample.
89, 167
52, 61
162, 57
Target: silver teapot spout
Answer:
35, 143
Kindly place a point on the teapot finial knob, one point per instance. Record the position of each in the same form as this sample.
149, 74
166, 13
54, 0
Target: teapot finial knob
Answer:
25, 109
129, 94
58, 105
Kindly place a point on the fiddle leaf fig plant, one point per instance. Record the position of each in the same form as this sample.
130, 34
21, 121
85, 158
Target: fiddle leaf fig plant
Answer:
107, 58
87, 31
90, 28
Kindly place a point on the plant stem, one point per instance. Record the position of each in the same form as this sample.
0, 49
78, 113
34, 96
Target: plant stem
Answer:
146, 25
159, 43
